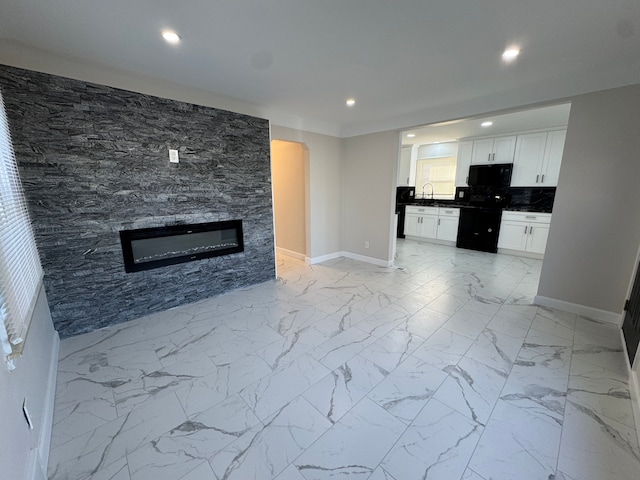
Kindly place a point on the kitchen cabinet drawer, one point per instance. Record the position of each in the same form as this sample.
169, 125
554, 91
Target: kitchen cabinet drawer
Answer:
526, 217
413, 209
448, 212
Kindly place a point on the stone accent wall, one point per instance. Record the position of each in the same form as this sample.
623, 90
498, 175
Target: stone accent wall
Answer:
94, 160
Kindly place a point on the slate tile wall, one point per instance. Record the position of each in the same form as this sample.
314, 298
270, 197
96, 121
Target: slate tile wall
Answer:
94, 160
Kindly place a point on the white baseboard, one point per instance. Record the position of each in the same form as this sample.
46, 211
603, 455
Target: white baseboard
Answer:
44, 443
593, 313
323, 258
520, 253
363, 258
634, 385
353, 256
290, 253
431, 240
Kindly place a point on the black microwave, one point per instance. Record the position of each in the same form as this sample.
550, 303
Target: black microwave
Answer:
496, 175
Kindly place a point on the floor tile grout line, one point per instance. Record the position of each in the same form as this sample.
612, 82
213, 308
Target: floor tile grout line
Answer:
498, 399
566, 399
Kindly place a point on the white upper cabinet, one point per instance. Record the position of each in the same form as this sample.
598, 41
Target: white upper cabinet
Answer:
493, 150
465, 149
503, 149
537, 159
404, 167
529, 159
553, 158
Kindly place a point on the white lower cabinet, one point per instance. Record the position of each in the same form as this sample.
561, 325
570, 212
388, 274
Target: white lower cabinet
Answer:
524, 231
448, 219
432, 222
421, 221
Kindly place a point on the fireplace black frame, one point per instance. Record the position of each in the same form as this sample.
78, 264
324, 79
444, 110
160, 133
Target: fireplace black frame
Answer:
128, 236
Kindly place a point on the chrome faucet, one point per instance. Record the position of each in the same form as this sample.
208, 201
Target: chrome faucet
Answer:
431, 189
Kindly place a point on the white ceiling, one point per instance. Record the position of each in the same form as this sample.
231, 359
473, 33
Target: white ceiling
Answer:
407, 62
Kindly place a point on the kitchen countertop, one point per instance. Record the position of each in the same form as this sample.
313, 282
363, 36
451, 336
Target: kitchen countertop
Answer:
526, 209
456, 204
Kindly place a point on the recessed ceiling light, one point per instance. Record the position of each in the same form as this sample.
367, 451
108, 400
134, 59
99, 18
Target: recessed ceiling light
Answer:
510, 54
171, 37
486, 124
351, 102
411, 135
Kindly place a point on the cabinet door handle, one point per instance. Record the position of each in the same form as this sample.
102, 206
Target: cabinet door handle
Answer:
525, 229
467, 182
537, 178
489, 159
542, 179
438, 221
493, 157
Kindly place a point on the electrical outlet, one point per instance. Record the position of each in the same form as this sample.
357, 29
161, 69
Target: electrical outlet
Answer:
173, 156
366, 244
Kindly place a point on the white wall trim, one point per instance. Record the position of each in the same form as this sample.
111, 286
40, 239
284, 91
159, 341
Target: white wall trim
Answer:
290, 253
430, 240
593, 313
363, 258
521, 253
634, 385
323, 258
44, 442
353, 256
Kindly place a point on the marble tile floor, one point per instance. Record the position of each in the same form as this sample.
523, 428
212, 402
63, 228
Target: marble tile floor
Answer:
439, 368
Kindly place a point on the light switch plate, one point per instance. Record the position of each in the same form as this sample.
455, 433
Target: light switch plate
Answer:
173, 156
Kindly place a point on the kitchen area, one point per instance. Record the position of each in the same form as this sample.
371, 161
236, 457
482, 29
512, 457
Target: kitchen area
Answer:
485, 184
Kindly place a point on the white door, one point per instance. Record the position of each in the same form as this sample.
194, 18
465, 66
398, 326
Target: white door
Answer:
537, 237
412, 225
513, 235
465, 150
553, 158
482, 151
503, 149
528, 160
448, 228
429, 226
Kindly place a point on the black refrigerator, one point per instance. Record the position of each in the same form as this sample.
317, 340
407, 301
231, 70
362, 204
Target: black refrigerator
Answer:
404, 196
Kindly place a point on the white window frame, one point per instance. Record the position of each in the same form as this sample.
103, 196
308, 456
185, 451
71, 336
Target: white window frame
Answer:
20, 269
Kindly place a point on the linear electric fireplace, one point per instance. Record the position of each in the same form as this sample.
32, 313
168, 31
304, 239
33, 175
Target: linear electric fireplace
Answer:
148, 248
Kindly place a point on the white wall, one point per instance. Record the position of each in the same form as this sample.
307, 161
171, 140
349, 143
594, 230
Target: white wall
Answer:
289, 198
23, 451
595, 229
324, 193
371, 163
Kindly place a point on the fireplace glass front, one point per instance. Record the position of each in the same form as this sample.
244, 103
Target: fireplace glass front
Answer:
148, 248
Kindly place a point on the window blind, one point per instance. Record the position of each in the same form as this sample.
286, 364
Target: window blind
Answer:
20, 269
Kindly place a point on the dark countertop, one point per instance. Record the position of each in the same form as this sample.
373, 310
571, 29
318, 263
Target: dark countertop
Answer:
438, 202
526, 209
457, 204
